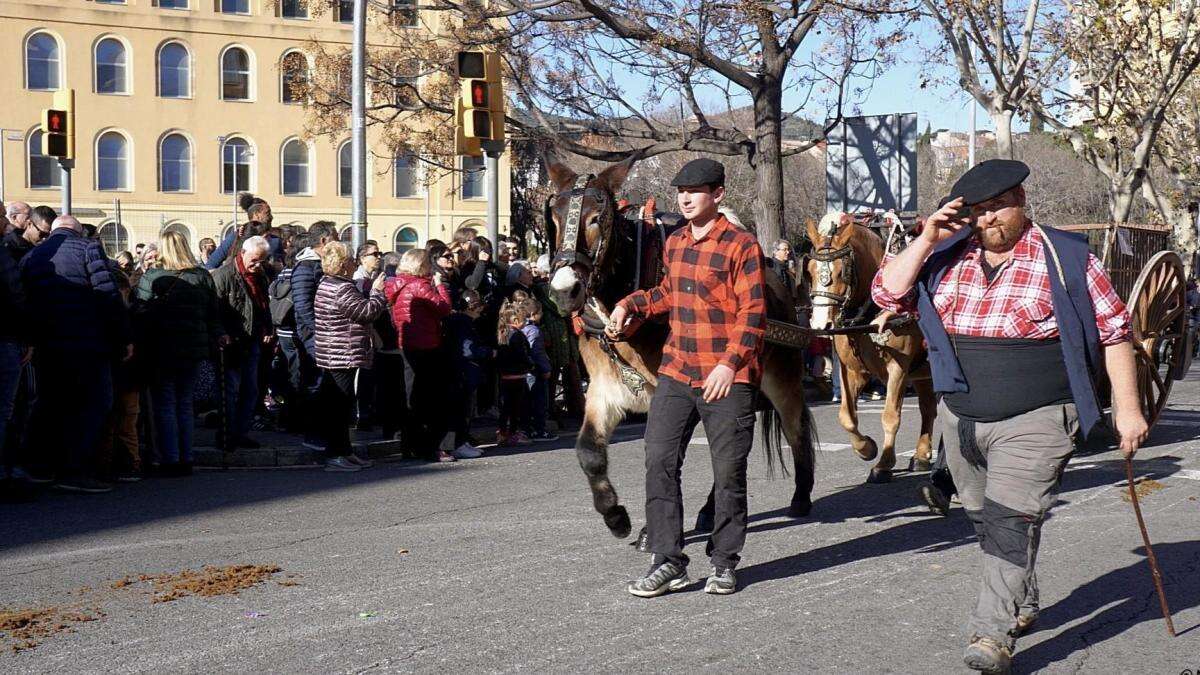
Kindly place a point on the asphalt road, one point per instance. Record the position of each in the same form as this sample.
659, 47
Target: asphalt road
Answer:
499, 564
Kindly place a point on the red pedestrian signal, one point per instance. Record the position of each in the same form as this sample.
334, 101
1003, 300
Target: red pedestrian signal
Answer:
56, 121
479, 93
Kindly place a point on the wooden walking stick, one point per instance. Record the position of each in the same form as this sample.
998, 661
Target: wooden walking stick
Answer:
1154, 573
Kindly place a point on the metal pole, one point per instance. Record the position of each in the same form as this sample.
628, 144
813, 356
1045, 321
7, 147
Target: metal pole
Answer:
67, 165
358, 138
974, 108
233, 162
492, 150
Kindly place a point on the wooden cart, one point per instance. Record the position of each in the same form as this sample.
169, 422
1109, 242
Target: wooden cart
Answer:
1149, 277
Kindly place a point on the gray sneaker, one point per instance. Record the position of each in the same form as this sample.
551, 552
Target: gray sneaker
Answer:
662, 578
722, 581
341, 465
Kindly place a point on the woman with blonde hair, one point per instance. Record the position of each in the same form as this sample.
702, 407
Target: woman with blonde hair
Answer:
178, 325
343, 347
420, 300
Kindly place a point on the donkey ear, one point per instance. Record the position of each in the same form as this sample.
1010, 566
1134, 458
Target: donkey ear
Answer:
844, 231
561, 176
614, 176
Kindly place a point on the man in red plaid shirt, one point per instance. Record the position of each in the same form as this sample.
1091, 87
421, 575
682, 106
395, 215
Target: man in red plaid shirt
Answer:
713, 296
1017, 318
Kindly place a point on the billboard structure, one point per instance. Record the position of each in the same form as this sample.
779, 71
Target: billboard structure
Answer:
871, 164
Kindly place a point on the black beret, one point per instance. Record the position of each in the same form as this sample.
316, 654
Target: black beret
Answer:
701, 171
987, 180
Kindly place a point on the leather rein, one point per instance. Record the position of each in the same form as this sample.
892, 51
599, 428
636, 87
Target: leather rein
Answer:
570, 254
825, 257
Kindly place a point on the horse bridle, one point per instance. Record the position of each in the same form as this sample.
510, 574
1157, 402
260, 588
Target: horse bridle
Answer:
570, 254
825, 256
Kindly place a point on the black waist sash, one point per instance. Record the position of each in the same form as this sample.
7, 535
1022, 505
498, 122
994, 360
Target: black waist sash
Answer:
1008, 377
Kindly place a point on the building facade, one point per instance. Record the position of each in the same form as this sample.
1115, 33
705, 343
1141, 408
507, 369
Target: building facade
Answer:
181, 104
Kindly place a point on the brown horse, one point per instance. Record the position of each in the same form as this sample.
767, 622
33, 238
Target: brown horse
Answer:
844, 259
595, 258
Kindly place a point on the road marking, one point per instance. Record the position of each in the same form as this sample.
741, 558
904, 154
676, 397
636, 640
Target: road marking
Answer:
834, 447
1179, 423
1190, 474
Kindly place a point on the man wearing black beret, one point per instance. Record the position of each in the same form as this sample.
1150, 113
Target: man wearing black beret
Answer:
1017, 318
710, 372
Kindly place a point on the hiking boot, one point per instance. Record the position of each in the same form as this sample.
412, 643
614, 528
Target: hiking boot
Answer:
935, 499
988, 656
722, 581
662, 578
542, 436
467, 451
83, 486
360, 461
341, 465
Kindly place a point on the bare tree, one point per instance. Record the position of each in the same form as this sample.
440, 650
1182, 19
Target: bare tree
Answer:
1000, 52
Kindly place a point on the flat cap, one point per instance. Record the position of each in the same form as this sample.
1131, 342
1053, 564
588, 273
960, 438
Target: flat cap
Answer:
987, 180
701, 171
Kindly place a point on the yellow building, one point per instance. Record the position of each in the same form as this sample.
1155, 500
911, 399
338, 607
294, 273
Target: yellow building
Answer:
180, 104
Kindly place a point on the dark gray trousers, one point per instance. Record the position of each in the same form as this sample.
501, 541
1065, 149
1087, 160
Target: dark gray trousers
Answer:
729, 426
1007, 497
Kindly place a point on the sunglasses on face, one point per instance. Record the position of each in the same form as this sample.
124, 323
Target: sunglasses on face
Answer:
376, 254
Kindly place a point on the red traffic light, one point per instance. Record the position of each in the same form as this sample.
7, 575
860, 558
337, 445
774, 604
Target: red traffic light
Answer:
479, 93
56, 121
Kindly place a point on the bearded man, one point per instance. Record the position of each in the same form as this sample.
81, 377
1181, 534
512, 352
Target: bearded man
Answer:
1018, 318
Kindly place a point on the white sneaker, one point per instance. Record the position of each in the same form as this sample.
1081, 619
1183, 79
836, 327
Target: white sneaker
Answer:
467, 451
341, 465
360, 461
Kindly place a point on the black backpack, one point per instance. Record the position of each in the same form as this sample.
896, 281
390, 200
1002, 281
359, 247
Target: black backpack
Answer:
279, 294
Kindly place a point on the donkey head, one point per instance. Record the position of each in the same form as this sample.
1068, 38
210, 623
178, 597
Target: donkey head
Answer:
579, 223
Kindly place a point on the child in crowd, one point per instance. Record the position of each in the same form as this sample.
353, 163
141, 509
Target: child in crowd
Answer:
539, 390
468, 354
514, 363
121, 428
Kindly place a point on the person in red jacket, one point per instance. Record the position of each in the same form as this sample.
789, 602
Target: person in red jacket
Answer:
420, 300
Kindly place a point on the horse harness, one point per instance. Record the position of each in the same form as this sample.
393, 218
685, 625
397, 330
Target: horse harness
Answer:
570, 254
825, 257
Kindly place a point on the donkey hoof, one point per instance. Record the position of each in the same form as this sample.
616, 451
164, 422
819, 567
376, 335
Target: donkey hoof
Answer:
922, 465
878, 476
800, 508
642, 543
704, 522
868, 451
617, 520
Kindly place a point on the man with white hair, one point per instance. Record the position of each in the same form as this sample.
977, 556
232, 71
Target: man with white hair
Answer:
246, 316
79, 325
22, 234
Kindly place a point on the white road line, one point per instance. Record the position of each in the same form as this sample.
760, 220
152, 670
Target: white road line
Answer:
1195, 424
1190, 474
835, 447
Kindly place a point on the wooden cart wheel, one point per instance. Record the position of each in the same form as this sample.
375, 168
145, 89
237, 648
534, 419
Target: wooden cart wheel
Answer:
1157, 307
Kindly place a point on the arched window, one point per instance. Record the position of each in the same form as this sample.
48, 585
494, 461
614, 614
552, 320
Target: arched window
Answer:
182, 229
175, 164
235, 75
473, 170
112, 162
295, 168
345, 173
235, 166
42, 65
406, 238
111, 67
405, 181
114, 236
174, 71
293, 74
43, 170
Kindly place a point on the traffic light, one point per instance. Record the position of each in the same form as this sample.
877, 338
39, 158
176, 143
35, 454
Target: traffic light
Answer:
58, 126
480, 109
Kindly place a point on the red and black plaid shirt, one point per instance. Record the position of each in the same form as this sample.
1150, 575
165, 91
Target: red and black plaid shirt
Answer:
713, 291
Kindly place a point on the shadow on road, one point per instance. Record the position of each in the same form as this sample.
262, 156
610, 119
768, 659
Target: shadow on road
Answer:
1132, 591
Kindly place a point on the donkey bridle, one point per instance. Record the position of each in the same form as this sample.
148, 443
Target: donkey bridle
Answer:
570, 254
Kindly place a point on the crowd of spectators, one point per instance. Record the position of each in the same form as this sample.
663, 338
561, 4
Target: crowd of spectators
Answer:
109, 359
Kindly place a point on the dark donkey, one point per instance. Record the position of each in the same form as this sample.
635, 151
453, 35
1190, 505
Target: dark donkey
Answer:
595, 265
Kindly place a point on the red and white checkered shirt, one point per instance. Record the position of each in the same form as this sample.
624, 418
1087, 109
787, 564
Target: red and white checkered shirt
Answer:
1017, 303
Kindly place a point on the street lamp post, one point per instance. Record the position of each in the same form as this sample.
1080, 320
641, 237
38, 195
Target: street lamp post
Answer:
358, 128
